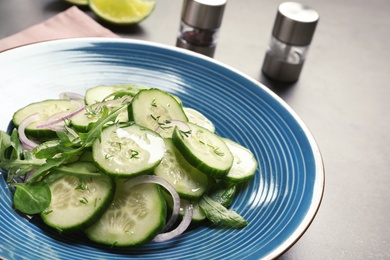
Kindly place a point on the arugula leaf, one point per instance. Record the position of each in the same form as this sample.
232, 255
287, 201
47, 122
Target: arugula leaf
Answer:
95, 129
32, 198
217, 213
130, 91
17, 151
69, 144
14, 159
44, 168
81, 172
85, 140
5, 143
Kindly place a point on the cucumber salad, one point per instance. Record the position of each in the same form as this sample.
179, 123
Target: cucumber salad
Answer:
123, 165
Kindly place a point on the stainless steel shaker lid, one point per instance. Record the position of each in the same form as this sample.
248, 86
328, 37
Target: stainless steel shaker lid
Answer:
295, 23
203, 14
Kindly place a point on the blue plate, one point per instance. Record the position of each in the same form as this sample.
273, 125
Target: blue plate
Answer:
279, 203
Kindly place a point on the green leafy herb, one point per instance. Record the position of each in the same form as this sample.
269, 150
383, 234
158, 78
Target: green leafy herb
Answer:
47, 212
16, 161
166, 124
223, 193
154, 104
217, 213
215, 149
133, 154
127, 91
81, 186
70, 144
32, 198
185, 133
84, 200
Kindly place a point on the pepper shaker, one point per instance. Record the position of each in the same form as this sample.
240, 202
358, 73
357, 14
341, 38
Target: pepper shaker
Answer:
292, 33
200, 23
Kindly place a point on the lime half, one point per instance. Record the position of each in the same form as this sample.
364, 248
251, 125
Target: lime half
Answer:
122, 11
78, 2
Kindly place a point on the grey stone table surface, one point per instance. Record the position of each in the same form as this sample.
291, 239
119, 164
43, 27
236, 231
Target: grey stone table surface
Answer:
342, 96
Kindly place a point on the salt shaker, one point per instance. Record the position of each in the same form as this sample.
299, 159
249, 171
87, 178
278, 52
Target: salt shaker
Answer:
292, 33
200, 23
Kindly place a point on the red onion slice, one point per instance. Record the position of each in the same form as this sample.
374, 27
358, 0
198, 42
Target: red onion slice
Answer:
184, 224
71, 95
160, 181
26, 142
61, 116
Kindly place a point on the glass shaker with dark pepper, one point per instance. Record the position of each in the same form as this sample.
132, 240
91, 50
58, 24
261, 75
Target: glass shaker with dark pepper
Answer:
200, 23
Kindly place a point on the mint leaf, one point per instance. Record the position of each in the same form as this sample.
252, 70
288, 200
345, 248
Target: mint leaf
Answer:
217, 213
32, 198
223, 193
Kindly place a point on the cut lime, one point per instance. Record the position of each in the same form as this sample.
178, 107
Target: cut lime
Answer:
77, 2
122, 11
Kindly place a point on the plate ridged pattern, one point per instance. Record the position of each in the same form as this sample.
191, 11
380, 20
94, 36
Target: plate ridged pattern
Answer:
279, 203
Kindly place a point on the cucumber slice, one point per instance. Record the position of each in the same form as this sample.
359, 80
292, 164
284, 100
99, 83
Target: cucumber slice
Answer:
203, 150
77, 202
136, 215
40, 151
196, 117
244, 164
188, 181
197, 214
100, 93
155, 109
128, 150
48, 110
93, 113
179, 101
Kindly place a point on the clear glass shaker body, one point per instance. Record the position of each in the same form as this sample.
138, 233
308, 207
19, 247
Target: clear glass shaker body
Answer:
203, 41
288, 53
197, 36
283, 62
292, 33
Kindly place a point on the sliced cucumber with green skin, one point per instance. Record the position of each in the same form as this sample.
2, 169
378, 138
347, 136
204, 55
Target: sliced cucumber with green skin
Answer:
155, 109
198, 214
40, 151
81, 121
76, 202
244, 164
47, 111
93, 113
100, 93
204, 150
189, 182
136, 215
196, 117
125, 151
